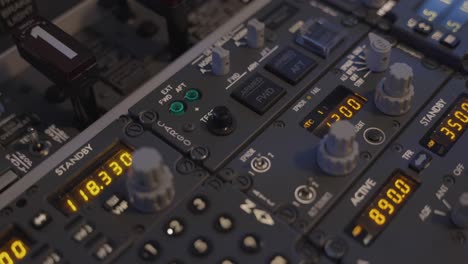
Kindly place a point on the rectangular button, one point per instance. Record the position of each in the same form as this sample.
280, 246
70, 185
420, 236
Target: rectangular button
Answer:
258, 94
291, 65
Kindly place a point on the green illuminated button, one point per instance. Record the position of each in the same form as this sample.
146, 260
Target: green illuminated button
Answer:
192, 95
177, 108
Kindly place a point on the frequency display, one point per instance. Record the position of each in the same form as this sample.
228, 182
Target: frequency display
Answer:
14, 246
383, 208
449, 129
94, 181
341, 104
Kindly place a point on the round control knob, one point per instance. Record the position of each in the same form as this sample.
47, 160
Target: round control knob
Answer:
338, 152
150, 182
394, 94
460, 212
378, 53
374, 3
221, 122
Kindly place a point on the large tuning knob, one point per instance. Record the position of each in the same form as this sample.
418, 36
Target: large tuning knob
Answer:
394, 95
338, 152
460, 212
150, 182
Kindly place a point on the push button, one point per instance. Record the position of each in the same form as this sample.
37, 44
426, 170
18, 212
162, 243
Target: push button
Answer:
291, 65
258, 94
423, 28
320, 36
450, 41
41, 220
420, 162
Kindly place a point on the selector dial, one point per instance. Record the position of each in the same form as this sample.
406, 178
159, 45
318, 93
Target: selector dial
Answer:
221, 122
394, 94
150, 182
460, 212
338, 152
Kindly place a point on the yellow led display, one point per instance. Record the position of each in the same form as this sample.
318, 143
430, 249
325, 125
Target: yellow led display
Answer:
449, 129
84, 188
15, 246
383, 207
341, 104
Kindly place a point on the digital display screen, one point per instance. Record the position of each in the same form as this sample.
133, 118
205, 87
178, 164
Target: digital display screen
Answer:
383, 207
14, 246
449, 129
93, 181
341, 104
452, 14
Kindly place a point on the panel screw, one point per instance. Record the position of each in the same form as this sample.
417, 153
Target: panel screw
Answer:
185, 166
199, 153
134, 130
148, 117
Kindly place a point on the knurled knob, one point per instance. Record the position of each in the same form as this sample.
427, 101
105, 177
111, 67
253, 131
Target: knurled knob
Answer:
150, 183
460, 212
394, 94
338, 152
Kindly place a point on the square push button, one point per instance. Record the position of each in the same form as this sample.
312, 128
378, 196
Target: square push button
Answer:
291, 65
258, 94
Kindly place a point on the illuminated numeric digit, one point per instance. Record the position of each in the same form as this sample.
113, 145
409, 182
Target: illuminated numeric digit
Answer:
378, 217
461, 116
354, 104
346, 112
5, 258
116, 168
385, 205
18, 249
105, 177
84, 196
93, 188
402, 186
431, 15
453, 25
465, 105
454, 125
126, 159
448, 133
394, 196
71, 205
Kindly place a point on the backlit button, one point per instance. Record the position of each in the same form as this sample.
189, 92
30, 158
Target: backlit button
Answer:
450, 41
41, 220
201, 247
258, 93
423, 28
53, 258
291, 65
420, 162
103, 251
150, 251
250, 244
